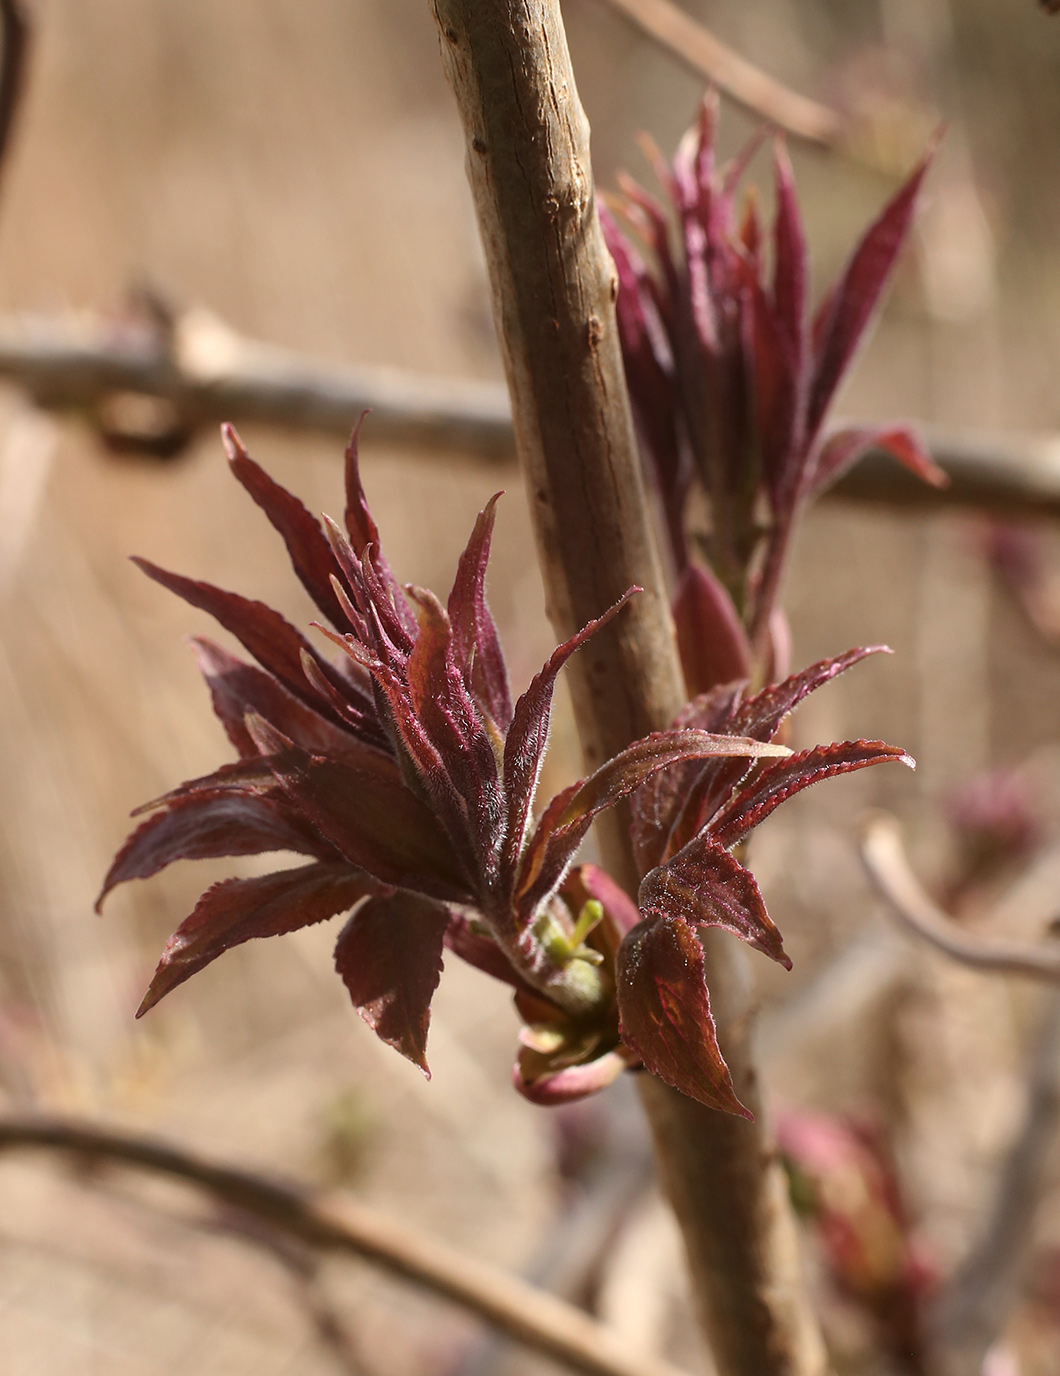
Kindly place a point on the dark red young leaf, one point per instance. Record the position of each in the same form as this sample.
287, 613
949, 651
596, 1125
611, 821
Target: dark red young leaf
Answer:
273, 642
564, 823
251, 776
775, 386
363, 532
464, 783
664, 1012
761, 715
708, 887
423, 767
311, 555
775, 783
711, 639
476, 645
367, 814
845, 313
669, 814
373, 603
202, 826
237, 687
389, 955
790, 257
649, 365
842, 450
524, 745
237, 910
659, 800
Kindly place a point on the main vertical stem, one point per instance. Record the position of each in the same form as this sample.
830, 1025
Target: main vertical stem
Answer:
553, 288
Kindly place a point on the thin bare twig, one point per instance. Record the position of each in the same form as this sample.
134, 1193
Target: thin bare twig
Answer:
698, 49
537, 1320
885, 859
978, 1302
208, 374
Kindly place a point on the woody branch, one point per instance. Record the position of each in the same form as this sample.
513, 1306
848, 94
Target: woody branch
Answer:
553, 288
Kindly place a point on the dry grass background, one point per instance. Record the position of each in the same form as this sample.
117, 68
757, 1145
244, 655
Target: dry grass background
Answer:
297, 168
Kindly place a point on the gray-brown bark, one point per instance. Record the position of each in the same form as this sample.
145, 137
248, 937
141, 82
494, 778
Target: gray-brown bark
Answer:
553, 287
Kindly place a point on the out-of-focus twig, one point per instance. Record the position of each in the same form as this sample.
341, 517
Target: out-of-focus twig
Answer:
14, 31
975, 1306
695, 46
537, 1320
886, 862
202, 373
602, 1187
208, 374
978, 1302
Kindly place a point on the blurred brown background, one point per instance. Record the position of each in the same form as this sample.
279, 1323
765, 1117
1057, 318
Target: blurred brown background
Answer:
296, 168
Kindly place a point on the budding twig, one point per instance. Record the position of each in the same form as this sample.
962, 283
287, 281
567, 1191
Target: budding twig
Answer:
553, 289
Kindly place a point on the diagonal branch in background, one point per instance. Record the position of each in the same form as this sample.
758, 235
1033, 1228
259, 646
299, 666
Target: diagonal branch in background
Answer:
207, 374
698, 49
346, 1226
886, 862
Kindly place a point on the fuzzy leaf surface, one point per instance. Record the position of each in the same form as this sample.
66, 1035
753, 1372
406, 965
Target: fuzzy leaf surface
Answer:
307, 545
203, 826
708, 887
369, 816
476, 645
568, 817
664, 1012
711, 639
527, 738
389, 956
237, 687
776, 783
238, 910
846, 311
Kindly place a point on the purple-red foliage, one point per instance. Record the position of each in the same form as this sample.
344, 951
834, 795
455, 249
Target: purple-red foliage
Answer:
406, 777
731, 377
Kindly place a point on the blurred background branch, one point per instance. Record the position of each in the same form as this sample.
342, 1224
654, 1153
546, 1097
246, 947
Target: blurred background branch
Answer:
886, 862
530, 1316
693, 45
150, 390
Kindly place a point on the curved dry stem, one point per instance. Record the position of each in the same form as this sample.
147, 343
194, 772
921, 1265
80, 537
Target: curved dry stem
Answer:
698, 49
345, 1225
885, 859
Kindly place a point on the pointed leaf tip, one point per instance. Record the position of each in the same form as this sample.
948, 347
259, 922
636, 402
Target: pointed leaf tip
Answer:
707, 887
389, 956
233, 445
664, 1013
